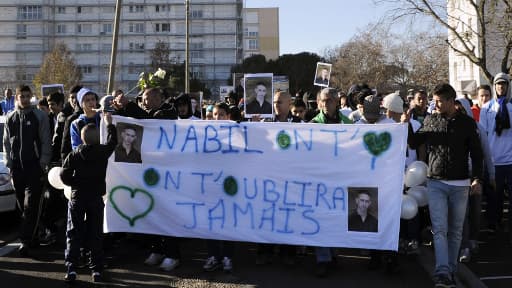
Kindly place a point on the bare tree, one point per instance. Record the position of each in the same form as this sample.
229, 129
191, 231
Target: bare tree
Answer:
59, 67
390, 62
481, 33
361, 59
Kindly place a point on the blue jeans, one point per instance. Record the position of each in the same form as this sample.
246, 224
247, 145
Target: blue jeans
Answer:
323, 254
503, 180
447, 205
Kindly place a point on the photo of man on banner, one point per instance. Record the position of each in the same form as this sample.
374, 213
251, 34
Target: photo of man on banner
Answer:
362, 216
258, 96
323, 74
129, 144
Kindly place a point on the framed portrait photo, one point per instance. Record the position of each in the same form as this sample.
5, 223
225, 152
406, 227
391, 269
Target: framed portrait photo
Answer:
322, 74
258, 96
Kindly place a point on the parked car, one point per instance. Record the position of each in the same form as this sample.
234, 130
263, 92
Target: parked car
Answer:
7, 194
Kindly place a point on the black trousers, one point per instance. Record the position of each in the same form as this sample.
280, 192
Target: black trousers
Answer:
28, 185
85, 229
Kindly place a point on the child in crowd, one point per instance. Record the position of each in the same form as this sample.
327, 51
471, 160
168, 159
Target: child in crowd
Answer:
85, 170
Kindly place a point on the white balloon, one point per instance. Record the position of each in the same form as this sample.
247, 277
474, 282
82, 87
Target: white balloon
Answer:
409, 207
67, 192
54, 178
419, 193
416, 174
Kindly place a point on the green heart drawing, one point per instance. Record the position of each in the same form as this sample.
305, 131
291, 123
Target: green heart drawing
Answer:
376, 144
132, 192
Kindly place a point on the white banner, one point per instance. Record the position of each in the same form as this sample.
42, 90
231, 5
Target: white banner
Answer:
259, 182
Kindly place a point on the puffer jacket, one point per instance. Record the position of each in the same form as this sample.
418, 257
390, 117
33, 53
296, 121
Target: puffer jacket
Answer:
450, 142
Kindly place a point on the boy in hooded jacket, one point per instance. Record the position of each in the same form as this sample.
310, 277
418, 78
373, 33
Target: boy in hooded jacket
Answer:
84, 169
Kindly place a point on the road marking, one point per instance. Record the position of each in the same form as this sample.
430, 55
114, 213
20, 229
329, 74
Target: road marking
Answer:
496, 277
9, 248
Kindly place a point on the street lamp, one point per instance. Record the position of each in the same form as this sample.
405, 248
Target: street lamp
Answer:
187, 24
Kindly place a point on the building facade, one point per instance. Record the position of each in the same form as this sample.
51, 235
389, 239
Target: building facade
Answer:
261, 32
465, 76
31, 28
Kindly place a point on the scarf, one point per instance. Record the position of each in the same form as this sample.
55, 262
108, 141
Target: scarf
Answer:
502, 117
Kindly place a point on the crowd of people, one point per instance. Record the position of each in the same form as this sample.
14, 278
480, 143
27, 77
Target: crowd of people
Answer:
467, 147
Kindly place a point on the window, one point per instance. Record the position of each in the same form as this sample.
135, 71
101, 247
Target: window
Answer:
180, 28
197, 14
253, 44
136, 28
196, 54
134, 68
136, 47
61, 10
197, 28
136, 8
61, 29
108, 10
197, 73
83, 10
86, 69
162, 8
84, 28
24, 76
107, 28
30, 12
106, 47
251, 32
162, 27
84, 47
196, 46
21, 31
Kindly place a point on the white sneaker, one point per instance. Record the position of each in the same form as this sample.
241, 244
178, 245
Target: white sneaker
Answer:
169, 264
227, 265
154, 259
211, 264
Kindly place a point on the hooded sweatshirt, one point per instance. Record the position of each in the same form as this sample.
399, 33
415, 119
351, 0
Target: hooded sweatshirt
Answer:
489, 165
500, 145
85, 168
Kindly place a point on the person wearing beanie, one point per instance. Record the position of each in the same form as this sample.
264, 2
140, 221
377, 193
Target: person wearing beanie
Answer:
394, 105
371, 112
496, 119
88, 101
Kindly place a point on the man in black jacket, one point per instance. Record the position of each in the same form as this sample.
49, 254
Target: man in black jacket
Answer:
451, 138
27, 153
152, 107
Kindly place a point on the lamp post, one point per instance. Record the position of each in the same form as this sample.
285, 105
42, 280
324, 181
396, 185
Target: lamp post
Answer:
113, 54
187, 24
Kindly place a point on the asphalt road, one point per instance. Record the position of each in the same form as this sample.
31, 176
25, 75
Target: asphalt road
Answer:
492, 267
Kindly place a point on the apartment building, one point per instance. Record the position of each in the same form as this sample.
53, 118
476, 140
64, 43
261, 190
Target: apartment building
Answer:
464, 75
261, 32
30, 28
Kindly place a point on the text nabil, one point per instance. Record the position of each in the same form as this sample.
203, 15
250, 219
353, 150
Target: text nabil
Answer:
235, 139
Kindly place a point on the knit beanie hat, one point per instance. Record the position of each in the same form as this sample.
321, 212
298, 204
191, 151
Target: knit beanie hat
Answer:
371, 108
